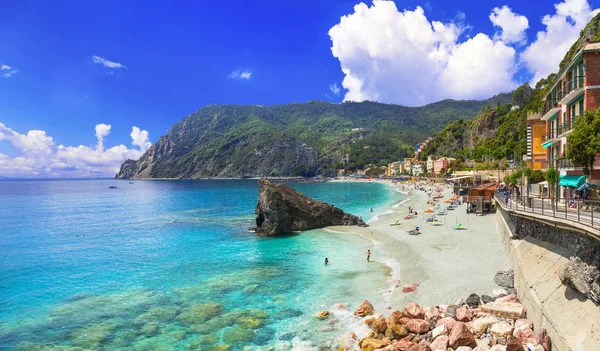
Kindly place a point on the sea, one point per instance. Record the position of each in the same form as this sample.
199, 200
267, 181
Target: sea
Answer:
171, 265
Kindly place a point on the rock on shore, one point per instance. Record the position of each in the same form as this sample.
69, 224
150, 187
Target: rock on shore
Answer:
582, 277
283, 210
499, 325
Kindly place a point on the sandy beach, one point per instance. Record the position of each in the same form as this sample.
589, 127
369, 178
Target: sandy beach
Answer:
447, 264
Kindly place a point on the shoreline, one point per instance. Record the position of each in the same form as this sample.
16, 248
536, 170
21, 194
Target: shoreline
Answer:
447, 264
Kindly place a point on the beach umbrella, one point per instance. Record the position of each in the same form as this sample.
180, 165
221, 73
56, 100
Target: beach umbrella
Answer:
447, 201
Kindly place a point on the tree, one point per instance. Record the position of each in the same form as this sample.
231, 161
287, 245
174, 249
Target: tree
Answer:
536, 177
583, 143
552, 177
522, 94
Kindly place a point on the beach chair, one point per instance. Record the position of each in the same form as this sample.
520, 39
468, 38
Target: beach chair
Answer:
459, 226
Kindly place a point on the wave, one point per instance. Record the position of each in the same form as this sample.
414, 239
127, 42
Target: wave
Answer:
401, 202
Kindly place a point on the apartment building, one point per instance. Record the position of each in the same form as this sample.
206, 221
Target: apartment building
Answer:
536, 131
576, 90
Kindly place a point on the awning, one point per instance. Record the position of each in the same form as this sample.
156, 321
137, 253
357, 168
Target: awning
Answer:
587, 186
573, 181
462, 177
546, 144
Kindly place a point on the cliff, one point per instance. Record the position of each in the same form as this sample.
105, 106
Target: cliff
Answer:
283, 210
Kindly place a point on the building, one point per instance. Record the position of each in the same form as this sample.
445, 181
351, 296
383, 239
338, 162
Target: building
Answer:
430, 162
576, 90
407, 166
536, 130
418, 168
394, 169
441, 163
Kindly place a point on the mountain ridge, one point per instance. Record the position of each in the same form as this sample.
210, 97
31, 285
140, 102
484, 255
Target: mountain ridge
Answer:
293, 139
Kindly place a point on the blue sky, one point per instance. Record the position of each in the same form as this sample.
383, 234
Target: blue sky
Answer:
68, 66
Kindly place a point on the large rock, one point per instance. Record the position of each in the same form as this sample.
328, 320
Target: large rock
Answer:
481, 325
461, 335
505, 279
581, 277
412, 310
373, 344
364, 309
512, 310
417, 326
501, 330
283, 210
439, 344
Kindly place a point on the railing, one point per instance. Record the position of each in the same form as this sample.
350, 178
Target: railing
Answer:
565, 163
549, 105
585, 212
575, 83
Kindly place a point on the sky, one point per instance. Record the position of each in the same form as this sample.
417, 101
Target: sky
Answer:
86, 85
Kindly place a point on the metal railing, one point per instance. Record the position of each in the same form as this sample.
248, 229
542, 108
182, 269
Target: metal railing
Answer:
585, 212
549, 105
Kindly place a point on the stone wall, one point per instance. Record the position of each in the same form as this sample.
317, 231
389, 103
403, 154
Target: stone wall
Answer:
538, 251
577, 243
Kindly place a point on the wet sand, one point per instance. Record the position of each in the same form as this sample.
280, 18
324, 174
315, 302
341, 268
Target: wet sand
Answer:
447, 264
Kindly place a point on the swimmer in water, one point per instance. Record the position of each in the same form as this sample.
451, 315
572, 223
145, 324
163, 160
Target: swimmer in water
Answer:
369, 255
326, 260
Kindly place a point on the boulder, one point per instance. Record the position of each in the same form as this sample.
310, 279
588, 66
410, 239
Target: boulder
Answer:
364, 309
464, 348
451, 311
463, 314
481, 325
412, 310
505, 279
432, 314
417, 326
545, 339
473, 300
424, 346
461, 335
379, 325
322, 315
510, 310
410, 287
486, 298
403, 345
349, 341
447, 321
439, 331
523, 332
396, 332
501, 330
581, 277
440, 343
514, 344
283, 210
373, 344
394, 318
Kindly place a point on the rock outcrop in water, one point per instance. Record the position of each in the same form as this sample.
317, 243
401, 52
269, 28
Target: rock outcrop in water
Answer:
283, 210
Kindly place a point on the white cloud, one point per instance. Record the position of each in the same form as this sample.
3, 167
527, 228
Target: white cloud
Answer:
106, 63
41, 157
512, 25
7, 71
401, 57
334, 89
240, 74
543, 56
140, 138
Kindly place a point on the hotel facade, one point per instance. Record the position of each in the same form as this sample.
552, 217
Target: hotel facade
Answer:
576, 90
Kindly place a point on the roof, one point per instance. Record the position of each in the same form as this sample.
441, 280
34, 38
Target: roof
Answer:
486, 186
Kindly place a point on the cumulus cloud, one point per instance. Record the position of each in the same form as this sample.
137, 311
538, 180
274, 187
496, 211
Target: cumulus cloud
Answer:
543, 56
140, 138
512, 26
401, 57
335, 89
7, 71
107, 63
41, 157
240, 74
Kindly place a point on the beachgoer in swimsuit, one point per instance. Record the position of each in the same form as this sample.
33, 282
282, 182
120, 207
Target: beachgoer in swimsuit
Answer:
368, 255
326, 260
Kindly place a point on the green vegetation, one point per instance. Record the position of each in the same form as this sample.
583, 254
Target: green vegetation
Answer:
591, 32
295, 139
583, 143
498, 133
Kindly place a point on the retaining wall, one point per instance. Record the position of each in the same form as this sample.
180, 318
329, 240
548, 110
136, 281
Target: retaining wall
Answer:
538, 250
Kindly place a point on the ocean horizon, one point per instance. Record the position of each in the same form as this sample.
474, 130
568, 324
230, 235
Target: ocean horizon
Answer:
171, 265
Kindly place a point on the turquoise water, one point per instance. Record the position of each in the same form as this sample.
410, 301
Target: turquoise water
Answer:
170, 265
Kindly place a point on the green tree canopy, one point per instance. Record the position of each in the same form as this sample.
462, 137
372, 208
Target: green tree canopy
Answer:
583, 143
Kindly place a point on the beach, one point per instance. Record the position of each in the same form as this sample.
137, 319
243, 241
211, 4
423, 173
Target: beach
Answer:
447, 264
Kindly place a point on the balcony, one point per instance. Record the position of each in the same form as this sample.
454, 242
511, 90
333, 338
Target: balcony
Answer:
550, 108
552, 136
571, 90
565, 128
565, 163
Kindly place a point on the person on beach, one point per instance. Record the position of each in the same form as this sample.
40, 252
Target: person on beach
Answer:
326, 261
369, 255
371, 209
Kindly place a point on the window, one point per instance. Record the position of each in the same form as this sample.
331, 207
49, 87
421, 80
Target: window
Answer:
580, 107
573, 111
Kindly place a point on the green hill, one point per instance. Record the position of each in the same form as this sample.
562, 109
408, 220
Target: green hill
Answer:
295, 139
